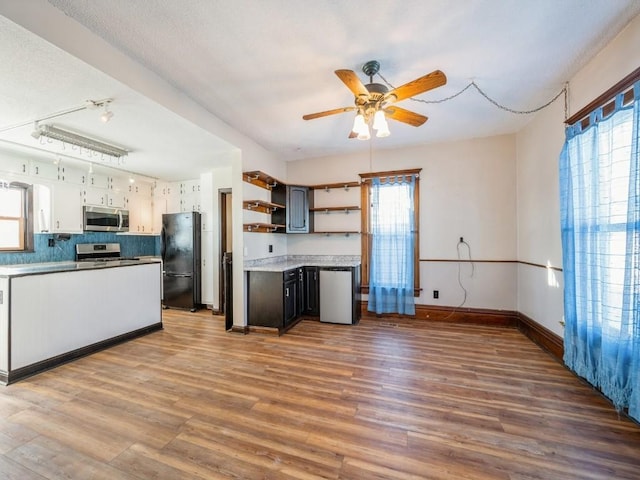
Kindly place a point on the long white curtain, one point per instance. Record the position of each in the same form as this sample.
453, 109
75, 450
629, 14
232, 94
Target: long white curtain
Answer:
600, 213
391, 265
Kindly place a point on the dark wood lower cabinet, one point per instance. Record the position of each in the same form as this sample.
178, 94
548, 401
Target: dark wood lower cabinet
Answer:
278, 299
311, 291
275, 298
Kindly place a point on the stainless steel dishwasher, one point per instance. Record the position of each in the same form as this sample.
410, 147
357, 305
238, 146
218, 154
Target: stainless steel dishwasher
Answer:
336, 295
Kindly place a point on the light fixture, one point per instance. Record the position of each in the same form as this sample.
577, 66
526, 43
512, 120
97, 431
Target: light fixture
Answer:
380, 124
72, 138
364, 117
107, 115
93, 104
358, 123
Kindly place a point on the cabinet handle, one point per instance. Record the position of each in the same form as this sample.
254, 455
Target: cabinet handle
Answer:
37, 170
287, 292
24, 168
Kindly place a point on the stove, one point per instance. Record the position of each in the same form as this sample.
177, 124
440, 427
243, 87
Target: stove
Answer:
99, 252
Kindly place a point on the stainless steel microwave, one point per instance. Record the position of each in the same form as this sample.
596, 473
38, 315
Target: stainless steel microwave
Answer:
104, 219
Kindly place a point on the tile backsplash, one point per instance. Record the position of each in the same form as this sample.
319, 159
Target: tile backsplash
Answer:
65, 250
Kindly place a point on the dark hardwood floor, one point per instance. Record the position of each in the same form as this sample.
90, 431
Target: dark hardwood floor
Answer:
391, 399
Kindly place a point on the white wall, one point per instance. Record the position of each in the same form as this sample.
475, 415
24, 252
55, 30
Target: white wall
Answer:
467, 189
538, 149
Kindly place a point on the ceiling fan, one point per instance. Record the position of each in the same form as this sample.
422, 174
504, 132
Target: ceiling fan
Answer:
374, 102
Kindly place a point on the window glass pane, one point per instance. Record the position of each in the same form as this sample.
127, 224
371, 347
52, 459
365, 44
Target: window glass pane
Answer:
9, 234
10, 202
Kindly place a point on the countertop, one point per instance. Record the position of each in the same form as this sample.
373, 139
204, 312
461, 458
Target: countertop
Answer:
281, 264
55, 267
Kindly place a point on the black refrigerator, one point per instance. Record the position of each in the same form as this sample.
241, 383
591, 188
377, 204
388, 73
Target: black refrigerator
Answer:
180, 248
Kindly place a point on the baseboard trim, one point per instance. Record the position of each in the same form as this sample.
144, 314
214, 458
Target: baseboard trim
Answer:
35, 368
239, 329
435, 313
542, 336
537, 333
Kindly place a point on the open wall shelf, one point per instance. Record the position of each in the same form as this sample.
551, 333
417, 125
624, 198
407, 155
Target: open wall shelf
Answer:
261, 206
263, 227
261, 179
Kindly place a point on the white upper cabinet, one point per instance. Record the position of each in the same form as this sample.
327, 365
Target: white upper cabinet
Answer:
15, 165
190, 196
140, 205
70, 174
43, 170
57, 208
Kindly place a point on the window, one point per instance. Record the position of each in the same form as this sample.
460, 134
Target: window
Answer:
600, 214
390, 253
16, 230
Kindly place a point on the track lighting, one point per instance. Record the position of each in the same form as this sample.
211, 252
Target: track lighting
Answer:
78, 140
106, 116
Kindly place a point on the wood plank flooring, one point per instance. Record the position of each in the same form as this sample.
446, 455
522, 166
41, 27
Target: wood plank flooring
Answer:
386, 399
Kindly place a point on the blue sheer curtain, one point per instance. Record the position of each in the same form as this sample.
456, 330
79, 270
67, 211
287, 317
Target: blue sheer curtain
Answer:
392, 228
600, 220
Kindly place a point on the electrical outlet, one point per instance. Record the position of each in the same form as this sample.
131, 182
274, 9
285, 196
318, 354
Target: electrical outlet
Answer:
52, 242
461, 239
270, 248
436, 294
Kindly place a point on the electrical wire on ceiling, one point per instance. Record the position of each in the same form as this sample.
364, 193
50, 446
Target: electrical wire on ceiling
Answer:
565, 91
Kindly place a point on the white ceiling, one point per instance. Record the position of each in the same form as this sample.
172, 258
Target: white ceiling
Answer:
260, 65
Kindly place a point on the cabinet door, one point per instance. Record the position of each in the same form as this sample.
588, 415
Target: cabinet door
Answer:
66, 207
207, 271
159, 208
290, 301
44, 170
16, 165
265, 305
311, 291
118, 192
97, 180
297, 209
300, 292
140, 205
72, 175
95, 196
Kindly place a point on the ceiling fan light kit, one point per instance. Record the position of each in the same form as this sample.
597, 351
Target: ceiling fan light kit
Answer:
374, 102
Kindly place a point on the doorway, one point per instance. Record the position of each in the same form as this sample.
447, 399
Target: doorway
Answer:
226, 243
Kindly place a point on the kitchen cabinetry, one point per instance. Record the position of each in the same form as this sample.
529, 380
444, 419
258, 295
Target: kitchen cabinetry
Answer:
190, 196
15, 165
311, 291
336, 208
43, 170
207, 263
58, 327
58, 208
117, 192
295, 215
140, 206
72, 175
274, 209
274, 298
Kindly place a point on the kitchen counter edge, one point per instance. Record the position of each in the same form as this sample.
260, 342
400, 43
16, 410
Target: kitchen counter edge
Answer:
70, 266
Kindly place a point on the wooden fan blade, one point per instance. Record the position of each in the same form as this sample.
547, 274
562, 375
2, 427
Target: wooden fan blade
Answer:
405, 116
311, 116
353, 134
353, 83
417, 86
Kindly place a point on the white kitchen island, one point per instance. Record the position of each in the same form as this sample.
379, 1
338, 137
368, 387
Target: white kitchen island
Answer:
55, 312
